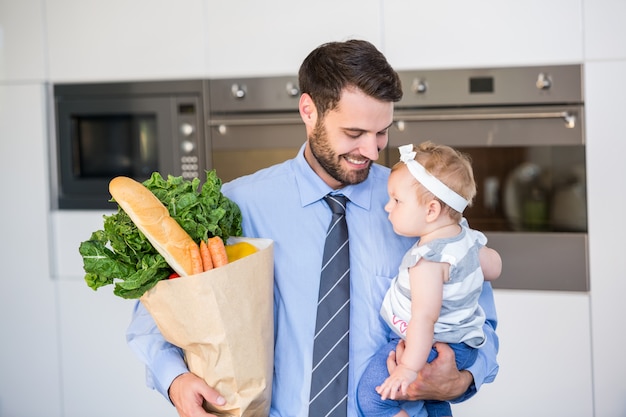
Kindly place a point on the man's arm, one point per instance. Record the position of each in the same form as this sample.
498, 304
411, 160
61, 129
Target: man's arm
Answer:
166, 370
163, 361
485, 368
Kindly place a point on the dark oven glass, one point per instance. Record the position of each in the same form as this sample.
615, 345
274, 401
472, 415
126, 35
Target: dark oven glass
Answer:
529, 168
242, 146
108, 146
103, 138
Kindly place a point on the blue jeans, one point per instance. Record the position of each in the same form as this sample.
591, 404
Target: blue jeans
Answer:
368, 400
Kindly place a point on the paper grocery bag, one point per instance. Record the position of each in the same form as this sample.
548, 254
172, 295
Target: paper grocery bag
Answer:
223, 320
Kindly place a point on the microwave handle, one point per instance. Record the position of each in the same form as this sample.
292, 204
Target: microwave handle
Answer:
568, 117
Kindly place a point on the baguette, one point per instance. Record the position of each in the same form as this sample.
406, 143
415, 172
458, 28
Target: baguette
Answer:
153, 220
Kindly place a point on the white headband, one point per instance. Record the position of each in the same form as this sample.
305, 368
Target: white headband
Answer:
430, 182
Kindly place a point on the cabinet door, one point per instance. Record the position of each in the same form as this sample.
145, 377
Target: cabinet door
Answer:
483, 33
101, 375
118, 39
605, 88
21, 40
248, 38
604, 29
29, 370
544, 358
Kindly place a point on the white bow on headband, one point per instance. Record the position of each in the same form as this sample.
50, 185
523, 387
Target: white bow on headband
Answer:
430, 182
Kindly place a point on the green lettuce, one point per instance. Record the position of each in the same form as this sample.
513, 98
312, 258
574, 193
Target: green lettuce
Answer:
122, 256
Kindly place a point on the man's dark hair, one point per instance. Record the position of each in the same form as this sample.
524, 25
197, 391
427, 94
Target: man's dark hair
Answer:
333, 66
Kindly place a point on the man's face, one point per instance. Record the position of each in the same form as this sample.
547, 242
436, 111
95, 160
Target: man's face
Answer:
346, 141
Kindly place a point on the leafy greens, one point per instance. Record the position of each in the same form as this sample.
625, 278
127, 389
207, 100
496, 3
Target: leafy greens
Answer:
121, 255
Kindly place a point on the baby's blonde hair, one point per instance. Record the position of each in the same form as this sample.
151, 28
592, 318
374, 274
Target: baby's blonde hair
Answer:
449, 166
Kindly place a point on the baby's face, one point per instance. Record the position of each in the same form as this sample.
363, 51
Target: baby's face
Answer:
406, 213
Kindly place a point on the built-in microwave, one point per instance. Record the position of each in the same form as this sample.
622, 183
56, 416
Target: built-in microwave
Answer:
103, 130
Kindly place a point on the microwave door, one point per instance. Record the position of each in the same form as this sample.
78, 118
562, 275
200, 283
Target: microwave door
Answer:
104, 138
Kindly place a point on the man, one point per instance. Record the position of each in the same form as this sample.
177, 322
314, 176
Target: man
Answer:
348, 90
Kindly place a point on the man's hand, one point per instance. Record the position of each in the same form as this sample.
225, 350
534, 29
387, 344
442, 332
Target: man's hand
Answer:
438, 380
188, 392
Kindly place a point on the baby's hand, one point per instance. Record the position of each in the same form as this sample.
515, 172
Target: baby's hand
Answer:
397, 382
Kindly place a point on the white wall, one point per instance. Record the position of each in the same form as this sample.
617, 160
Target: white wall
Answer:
63, 344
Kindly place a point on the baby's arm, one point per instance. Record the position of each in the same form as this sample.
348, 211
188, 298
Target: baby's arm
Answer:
490, 263
426, 280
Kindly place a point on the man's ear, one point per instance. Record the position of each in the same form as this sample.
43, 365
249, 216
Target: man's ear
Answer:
308, 111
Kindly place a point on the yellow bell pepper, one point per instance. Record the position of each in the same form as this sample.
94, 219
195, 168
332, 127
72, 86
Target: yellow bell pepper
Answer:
240, 250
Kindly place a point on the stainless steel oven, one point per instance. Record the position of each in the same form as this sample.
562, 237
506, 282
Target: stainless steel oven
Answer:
523, 128
253, 123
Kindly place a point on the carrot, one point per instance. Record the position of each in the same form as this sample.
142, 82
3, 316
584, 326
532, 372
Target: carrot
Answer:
218, 251
196, 259
206, 256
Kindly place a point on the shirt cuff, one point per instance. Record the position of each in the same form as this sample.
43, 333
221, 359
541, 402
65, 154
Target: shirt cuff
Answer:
471, 391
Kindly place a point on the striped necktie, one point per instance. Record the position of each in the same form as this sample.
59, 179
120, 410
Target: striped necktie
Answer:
329, 384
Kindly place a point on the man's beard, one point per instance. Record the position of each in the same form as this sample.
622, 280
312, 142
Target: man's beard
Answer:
331, 162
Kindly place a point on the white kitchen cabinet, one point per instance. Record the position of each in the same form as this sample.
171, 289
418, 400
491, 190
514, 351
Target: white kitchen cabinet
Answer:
126, 40
22, 55
483, 33
605, 88
604, 29
29, 353
544, 358
247, 38
69, 228
101, 375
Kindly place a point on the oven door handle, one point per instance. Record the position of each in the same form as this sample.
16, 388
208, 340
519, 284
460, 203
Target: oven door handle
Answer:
255, 122
222, 125
568, 117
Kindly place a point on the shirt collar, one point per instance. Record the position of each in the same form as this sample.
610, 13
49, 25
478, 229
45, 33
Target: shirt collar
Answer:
312, 188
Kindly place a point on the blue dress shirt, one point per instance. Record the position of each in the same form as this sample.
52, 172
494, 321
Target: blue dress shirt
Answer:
285, 203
